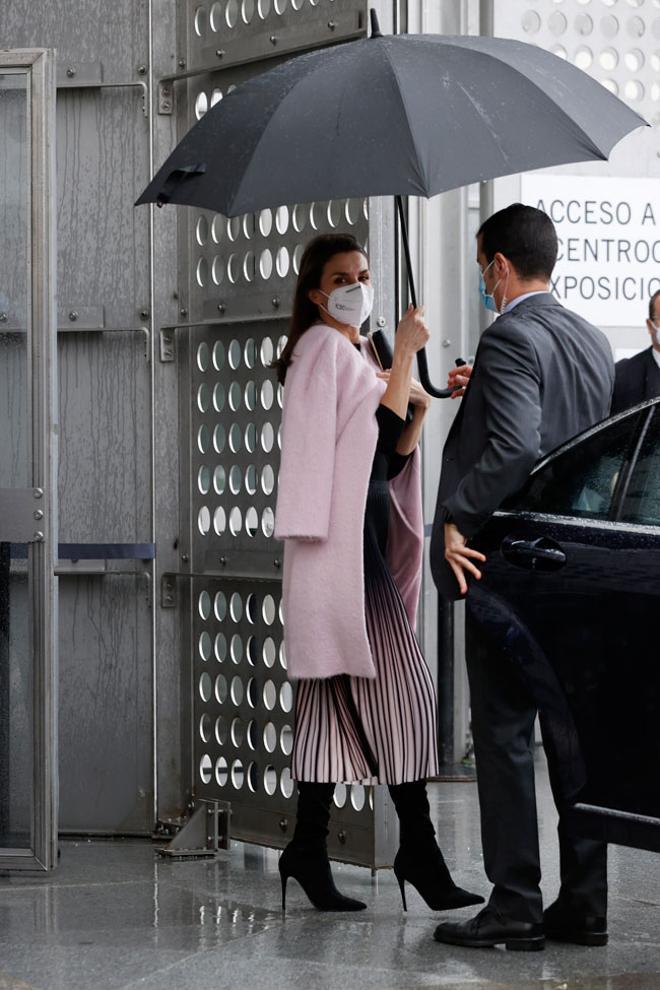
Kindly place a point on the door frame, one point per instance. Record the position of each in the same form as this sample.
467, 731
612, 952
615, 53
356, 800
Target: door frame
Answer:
42, 405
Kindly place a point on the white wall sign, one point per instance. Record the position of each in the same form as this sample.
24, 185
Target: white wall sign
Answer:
609, 243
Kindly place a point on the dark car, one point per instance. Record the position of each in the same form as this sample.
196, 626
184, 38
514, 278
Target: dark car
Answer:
572, 592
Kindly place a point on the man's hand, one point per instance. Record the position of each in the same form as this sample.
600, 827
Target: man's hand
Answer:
459, 556
459, 376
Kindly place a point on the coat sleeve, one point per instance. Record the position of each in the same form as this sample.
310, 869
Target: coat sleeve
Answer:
309, 426
511, 387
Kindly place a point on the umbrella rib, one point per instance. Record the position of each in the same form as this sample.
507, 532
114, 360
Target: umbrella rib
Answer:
422, 178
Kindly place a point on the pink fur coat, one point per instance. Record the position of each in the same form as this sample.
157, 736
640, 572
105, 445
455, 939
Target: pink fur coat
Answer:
329, 436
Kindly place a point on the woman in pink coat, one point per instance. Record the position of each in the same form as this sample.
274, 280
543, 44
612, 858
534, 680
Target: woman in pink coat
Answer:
349, 510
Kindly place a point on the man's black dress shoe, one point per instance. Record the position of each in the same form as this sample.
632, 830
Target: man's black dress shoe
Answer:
563, 925
488, 928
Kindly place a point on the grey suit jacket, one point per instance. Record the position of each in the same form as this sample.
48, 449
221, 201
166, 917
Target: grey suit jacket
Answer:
541, 375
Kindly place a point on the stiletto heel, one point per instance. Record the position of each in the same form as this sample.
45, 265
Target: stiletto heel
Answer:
432, 881
402, 883
311, 868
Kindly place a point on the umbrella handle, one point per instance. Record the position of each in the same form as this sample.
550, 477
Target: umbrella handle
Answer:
422, 363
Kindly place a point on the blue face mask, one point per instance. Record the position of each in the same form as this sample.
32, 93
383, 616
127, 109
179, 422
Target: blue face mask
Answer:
487, 298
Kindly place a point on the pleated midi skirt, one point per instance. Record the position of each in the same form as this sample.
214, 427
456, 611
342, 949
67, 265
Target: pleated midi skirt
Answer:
382, 730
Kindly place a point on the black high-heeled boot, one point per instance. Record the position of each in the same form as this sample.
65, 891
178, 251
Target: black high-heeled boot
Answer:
306, 856
419, 859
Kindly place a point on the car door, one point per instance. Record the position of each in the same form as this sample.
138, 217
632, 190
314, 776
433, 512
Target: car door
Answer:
571, 589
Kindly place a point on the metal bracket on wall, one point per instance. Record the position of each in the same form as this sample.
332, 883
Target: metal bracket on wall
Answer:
89, 75
206, 834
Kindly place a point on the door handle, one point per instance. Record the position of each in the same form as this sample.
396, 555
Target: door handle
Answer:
542, 554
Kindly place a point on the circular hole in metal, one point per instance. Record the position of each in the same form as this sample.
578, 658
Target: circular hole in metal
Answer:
235, 479
283, 663
202, 272
267, 479
237, 691
237, 732
612, 85
218, 270
233, 268
231, 13
250, 396
248, 225
216, 96
205, 768
205, 727
235, 396
202, 231
299, 218
248, 266
280, 6
221, 730
286, 697
220, 606
220, 647
203, 397
559, 51
297, 256
263, 8
205, 646
203, 438
265, 222
200, 21
340, 795
251, 692
251, 734
221, 689
250, 353
205, 687
267, 437
286, 783
282, 262
609, 26
269, 651
204, 605
203, 356
655, 61
252, 777
234, 354
636, 27
235, 437
314, 211
250, 438
531, 22
219, 520
358, 796
282, 219
335, 213
557, 23
218, 355
251, 608
252, 650
247, 11
251, 521
204, 480
236, 607
608, 59
219, 438
634, 90
352, 211
267, 394
219, 397
251, 483
281, 344
270, 780
237, 774
204, 520
286, 740
201, 106
584, 24
221, 772
266, 352
266, 264
269, 695
270, 737
268, 610
216, 17
235, 521
268, 522
219, 479
583, 57
634, 60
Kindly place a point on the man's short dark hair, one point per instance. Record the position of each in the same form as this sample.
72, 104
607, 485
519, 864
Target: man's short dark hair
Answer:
524, 235
656, 295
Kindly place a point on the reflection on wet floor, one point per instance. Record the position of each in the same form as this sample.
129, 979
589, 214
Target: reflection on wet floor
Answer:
114, 916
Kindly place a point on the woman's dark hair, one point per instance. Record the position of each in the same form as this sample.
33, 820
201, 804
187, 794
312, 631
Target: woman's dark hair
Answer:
305, 313
524, 235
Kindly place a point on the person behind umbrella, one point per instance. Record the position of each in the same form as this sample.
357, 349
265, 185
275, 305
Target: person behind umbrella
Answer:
638, 378
349, 511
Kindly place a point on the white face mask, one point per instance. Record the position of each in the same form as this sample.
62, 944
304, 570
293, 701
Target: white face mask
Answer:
350, 304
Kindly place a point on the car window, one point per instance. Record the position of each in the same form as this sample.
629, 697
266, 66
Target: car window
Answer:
581, 481
642, 499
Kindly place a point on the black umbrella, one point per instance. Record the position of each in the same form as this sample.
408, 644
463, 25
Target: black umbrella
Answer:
391, 115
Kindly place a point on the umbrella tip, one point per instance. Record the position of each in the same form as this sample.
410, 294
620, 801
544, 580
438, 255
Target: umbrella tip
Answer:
375, 26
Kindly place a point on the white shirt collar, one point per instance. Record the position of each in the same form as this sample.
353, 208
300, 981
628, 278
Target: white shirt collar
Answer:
526, 295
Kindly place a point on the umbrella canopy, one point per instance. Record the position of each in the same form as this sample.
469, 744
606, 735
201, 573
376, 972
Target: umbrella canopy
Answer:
390, 115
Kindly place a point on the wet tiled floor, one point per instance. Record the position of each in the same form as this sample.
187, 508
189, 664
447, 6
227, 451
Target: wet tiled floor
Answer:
115, 916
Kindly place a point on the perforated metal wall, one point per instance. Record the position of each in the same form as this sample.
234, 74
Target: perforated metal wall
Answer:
237, 279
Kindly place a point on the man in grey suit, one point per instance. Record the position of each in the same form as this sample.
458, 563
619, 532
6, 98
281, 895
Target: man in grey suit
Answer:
541, 375
638, 378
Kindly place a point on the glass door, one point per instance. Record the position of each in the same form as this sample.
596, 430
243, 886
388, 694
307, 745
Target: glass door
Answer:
28, 463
